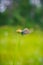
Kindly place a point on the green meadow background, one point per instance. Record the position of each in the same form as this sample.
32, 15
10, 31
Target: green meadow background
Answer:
17, 49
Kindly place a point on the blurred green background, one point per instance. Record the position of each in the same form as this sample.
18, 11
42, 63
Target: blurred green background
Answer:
22, 12
16, 49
